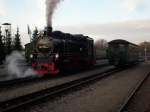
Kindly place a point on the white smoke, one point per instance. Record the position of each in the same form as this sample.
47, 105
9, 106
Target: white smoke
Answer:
50, 8
17, 67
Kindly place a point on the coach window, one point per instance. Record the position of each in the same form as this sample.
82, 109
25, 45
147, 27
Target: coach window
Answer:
122, 47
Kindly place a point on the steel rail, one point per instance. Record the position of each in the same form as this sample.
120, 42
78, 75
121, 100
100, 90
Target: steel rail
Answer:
18, 81
132, 93
13, 104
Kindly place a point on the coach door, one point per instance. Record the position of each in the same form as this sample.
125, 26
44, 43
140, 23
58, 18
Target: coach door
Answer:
90, 49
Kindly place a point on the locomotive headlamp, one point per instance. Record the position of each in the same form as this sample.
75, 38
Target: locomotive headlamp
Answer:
57, 56
31, 56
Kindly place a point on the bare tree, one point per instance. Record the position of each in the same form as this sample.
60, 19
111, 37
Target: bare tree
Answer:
101, 44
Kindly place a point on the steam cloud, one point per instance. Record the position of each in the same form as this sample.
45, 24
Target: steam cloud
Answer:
50, 8
15, 64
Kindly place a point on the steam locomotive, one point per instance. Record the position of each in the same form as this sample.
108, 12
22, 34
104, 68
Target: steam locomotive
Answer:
53, 51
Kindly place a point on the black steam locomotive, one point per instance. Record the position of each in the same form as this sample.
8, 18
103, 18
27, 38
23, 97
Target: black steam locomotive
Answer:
53, 52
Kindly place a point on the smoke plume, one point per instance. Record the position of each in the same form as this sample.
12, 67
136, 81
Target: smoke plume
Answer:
17, 67
50, 8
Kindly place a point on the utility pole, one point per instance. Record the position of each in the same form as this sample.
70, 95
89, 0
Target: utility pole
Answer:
145, 50
0, 30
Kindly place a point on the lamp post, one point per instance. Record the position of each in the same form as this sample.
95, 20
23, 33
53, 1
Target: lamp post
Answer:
7, 28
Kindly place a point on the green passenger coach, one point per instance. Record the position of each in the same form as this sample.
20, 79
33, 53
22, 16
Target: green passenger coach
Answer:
121, 53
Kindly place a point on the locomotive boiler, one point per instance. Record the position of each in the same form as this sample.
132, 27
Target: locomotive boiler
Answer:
43, 58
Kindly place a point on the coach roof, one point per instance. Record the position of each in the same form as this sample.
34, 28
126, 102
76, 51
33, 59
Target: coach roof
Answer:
120, 41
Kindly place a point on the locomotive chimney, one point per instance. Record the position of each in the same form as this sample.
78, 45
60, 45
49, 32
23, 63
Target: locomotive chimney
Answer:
49, 30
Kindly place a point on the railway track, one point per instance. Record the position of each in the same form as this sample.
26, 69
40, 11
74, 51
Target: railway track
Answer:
26, 80
20, 81
17, 103
132, 93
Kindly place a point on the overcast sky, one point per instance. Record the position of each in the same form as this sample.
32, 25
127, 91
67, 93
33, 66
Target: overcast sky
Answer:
108, 19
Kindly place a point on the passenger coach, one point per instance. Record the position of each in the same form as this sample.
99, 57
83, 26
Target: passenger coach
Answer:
121, 53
